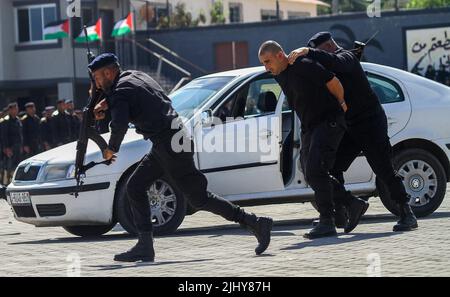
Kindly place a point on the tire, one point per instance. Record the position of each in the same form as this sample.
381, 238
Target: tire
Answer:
89, 230
171, 221
424, 179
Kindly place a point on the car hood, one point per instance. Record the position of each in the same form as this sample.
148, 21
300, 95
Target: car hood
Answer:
66, 153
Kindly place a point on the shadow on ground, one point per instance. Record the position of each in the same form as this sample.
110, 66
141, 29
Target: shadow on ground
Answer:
281, 228
143, 264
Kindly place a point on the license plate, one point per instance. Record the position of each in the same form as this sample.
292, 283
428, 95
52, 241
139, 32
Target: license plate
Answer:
20, 198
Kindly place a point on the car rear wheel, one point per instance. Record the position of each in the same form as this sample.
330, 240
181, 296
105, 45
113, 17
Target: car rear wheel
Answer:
424, 179
89, 231
167, 206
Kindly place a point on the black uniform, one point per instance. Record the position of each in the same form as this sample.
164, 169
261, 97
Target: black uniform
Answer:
367, 125
31, 134
12, 139
46, 131
322, 124
61, 124
75, 125
135, 97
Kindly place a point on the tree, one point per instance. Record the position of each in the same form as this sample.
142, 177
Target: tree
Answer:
180, 18
217, 16
428, 3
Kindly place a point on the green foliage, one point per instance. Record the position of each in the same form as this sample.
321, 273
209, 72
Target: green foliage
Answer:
217, 15
180, 18
428, 3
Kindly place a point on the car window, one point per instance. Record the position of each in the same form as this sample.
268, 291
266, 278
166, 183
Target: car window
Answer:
193, 95
386, 90
258, 97
262, 97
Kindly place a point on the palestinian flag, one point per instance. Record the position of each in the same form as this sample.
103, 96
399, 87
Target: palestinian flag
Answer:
124, 26
56, 30
94, 33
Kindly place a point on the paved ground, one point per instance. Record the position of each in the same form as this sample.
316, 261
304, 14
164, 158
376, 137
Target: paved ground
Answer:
207, 245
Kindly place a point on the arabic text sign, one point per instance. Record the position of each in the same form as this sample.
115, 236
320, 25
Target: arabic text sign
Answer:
427, 46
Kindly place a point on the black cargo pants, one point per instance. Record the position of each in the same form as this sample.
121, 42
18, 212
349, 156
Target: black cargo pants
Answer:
180, 166
317, 157
371, 137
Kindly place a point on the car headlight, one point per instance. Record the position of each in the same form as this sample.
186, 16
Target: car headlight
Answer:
59, 171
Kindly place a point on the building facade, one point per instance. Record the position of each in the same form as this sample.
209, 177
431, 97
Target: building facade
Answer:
33, 69
234, 11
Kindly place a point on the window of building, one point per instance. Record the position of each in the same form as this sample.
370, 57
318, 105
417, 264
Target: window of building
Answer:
270, 15
236, 13
30, 23
88, 18
292, 15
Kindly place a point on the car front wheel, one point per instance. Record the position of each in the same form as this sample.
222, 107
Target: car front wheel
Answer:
424, 179
89, 230
167, 206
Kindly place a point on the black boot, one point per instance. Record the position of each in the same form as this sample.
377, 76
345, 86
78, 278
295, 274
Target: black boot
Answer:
260, 227
340, 217
325, 227
407, 220
357, 208
142, 251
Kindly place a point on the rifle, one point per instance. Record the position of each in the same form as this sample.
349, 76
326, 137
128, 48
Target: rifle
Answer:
358, 46
87, 129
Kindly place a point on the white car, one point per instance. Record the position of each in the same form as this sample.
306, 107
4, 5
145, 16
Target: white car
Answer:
41, 192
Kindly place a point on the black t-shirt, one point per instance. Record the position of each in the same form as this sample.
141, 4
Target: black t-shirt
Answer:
304, 84
360, 98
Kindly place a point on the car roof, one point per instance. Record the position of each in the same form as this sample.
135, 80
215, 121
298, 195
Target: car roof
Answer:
405, 76
237, 72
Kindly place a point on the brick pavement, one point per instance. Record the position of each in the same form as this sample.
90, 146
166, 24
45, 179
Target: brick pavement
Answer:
207, 245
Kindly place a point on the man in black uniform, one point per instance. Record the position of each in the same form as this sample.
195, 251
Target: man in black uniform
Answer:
61, 124
74, 121
46, 129
367, 125
317, 97
31, 131
133, 96
12, 140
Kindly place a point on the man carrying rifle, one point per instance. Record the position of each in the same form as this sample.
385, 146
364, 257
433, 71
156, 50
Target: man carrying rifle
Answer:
367, 128
133, 96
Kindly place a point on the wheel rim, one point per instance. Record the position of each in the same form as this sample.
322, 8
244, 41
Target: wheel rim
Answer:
163, 202
420, 181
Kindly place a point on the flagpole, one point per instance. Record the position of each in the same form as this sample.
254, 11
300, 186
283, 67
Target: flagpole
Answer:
133, 32
74, 78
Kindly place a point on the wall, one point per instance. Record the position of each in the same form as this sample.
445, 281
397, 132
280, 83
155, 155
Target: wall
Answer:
388, 48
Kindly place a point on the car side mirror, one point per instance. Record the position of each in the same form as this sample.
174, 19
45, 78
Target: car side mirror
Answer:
206, 117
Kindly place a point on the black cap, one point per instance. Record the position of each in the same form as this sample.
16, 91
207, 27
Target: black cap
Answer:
318, 39
102, 61
29, 104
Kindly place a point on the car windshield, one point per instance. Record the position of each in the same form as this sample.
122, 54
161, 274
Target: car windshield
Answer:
192, 96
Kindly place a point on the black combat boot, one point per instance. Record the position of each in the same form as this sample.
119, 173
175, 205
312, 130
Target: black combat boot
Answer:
340, 217
260, 227
356, 209
407, 220
142, 251
325, 227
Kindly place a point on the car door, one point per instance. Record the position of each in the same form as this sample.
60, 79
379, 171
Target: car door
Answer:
240, 151
394, 100
398, 112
